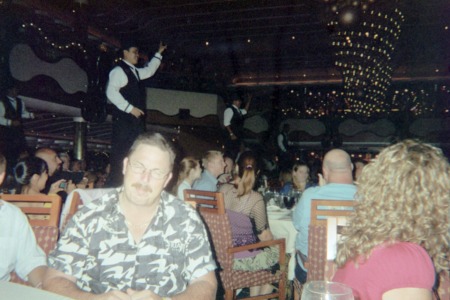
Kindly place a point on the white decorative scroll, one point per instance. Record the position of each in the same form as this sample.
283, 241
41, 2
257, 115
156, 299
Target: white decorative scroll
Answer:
381, 127
311, 126
256, 124
169, 102
25, 65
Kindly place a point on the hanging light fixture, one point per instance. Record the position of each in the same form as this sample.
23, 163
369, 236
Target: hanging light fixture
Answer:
364, 40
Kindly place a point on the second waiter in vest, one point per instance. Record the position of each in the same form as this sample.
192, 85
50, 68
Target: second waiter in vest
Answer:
12, 136
126, 92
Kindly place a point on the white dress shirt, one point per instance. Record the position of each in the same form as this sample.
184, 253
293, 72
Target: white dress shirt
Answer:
25, 114
118, 79
18, 247
228, 115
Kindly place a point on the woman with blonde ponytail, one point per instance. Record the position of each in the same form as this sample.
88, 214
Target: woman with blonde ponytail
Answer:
248, 219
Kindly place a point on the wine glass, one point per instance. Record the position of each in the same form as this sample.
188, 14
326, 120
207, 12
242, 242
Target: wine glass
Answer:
326, 290
289, 202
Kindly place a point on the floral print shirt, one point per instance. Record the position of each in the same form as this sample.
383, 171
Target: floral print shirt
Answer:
99, 251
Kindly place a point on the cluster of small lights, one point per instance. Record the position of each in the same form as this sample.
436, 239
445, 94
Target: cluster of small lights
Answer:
54, 44
363, 55
414, 101
317, 104
417, 101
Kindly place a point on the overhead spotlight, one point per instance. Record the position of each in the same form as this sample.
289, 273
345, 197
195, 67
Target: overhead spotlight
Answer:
349, 16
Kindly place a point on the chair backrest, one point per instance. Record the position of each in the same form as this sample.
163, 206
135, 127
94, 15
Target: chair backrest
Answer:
46, 214
211, 206
76, 199
75, 203
321, 209
318, 265
206, 201
334, 229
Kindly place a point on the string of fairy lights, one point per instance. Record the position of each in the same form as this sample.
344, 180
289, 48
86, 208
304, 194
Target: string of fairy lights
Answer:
52, 42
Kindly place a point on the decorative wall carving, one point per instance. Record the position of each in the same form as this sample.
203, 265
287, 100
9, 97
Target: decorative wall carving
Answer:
25, 65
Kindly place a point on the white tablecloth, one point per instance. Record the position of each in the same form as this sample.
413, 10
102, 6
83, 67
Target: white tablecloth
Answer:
15, 291
284, 228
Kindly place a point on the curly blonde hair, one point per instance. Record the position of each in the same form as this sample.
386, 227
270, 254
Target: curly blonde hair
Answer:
403, 196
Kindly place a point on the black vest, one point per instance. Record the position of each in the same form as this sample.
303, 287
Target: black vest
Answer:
237, 122
133, 92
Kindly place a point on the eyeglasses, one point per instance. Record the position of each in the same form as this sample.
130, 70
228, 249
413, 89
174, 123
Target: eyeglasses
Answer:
138, 168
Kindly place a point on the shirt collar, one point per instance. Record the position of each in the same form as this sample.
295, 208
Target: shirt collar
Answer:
129, 64
209, 175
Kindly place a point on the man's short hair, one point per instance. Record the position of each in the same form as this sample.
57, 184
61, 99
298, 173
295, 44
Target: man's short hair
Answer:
209, 156
157, 140
127, 44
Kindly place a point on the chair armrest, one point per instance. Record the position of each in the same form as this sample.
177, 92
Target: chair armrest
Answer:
280, 242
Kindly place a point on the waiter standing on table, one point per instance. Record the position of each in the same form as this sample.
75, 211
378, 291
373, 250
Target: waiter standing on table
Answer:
125, 91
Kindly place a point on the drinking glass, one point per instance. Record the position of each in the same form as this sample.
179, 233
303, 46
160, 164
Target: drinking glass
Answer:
326, 290
289, 202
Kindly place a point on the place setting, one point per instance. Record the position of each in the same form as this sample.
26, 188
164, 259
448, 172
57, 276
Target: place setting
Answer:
280, 207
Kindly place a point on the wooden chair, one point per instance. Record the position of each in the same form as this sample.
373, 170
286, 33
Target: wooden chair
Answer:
317, 235
212, 208
317, 242
75, 203
321, 209
76, 199
49, 213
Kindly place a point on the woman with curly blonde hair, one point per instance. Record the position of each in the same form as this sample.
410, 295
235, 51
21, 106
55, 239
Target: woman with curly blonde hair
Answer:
398, 238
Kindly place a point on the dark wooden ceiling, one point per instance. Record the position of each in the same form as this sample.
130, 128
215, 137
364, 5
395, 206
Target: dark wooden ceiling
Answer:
219, 43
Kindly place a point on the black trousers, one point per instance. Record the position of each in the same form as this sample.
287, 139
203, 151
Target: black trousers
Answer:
12, 144
124, 132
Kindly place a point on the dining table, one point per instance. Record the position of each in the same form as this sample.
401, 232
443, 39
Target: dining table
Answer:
15, 291
281, 226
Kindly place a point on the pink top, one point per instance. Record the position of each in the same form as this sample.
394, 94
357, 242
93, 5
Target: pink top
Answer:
389, 267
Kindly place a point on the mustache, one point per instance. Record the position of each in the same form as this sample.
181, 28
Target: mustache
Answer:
144, 187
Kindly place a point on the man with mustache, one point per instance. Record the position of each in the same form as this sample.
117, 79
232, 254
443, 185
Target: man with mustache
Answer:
138, 241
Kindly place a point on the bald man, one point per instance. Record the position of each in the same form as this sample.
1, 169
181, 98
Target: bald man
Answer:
335, 183
53, 161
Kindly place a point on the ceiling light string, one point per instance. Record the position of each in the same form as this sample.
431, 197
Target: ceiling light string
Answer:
49, 41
